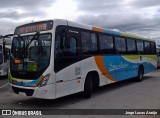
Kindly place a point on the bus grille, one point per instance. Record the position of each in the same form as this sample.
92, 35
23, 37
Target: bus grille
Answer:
29, 92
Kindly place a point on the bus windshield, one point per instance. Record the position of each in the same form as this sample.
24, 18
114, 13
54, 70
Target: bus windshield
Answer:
30, 55
1, 58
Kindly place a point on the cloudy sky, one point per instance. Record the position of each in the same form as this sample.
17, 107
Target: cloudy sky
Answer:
136, 16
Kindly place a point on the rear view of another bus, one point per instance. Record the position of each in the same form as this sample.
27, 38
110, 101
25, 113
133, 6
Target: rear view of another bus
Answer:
2, 70
158, 56
5, 46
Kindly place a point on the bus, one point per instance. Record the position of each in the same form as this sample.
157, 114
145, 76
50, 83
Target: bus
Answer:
5, 46
158, 56
55, 58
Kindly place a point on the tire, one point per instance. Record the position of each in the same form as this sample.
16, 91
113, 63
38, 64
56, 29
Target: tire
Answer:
140, 74
88, 87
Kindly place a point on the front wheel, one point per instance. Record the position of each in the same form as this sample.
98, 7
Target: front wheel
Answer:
88, 87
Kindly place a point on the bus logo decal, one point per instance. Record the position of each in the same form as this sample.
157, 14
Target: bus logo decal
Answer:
117, 67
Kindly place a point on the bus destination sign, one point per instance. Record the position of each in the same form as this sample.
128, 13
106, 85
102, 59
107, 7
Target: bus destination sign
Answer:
34, 27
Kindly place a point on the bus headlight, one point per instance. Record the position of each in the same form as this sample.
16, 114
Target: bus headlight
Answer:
45, 80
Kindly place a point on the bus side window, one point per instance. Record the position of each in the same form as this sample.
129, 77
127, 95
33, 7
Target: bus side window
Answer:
73, 46
153, 48
60, 39
106, 44
89, 43
131, 46
86, 42
147, 47
94, 45
120, 45
140, 47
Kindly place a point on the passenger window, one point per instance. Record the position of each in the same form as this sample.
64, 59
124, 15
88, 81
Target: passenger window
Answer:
131, 46
85, 42
94, 43
106, 44
120, 45
153, 48
147, 47
140, 47
73, 46
89, 43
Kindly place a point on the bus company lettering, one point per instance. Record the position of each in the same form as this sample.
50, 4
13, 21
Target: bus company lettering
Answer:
116, 67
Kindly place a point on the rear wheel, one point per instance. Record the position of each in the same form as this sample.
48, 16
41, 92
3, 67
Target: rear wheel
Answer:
88, 87
140, 74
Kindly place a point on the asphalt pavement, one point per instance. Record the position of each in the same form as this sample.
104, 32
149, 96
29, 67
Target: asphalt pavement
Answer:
122, 95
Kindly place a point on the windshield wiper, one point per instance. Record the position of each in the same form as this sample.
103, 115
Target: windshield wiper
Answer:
27, 43
22, 49
35, 37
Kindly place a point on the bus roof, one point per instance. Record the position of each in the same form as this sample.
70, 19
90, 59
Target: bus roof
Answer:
93, 28
109, 31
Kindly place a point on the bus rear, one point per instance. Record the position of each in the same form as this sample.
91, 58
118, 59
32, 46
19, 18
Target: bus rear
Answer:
5, 46
3, 71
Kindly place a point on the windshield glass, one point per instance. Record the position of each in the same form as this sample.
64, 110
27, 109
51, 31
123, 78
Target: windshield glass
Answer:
30, 55
1, 58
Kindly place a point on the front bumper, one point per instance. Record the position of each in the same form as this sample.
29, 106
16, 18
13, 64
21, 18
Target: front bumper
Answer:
46, 92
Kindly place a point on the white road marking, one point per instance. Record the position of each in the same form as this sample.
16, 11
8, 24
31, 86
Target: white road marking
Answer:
3, 85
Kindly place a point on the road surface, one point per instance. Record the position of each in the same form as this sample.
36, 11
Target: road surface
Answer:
123, 95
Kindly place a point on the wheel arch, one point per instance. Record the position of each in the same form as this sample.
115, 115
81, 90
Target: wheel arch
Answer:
95, 78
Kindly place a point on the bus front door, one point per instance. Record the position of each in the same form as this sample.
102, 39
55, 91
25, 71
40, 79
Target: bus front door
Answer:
68, 80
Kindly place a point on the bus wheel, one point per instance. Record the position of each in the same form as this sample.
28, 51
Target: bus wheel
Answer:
88, 87
140, 74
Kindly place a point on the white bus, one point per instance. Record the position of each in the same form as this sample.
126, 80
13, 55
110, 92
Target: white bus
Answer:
55, 58
5, 46
158, 56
